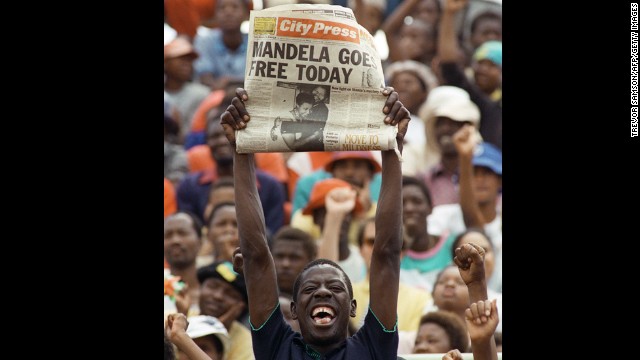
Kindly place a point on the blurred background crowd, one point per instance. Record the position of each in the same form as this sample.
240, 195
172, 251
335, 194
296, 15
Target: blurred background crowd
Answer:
444, 58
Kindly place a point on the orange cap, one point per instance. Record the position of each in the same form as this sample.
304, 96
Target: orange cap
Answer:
320, 191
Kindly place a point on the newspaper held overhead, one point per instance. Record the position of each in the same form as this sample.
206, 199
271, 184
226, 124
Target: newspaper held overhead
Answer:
315, 83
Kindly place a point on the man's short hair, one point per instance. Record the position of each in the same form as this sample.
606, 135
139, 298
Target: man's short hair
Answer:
317, 262
195, 221
411, 180
218, 207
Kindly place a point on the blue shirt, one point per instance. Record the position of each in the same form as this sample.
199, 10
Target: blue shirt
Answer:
216, 58
275, 340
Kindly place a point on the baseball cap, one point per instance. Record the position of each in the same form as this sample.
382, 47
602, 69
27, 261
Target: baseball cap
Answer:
342, 155
490, 50
223, 270
203, 325
489, 156
320, 191
179, 47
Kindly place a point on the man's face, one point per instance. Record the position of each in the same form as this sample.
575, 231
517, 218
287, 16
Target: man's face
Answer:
218, 196
427, 10
415, 209
180, 67
417, 39
289, 258
324, 306
223, 232
487, 75
221, 150
354, 171
319, 94
486, 184
181, 242
230, 14
444, 128
217, 296
486, 30
409, 89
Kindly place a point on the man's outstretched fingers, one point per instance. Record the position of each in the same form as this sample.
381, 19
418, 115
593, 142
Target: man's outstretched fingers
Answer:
391, 99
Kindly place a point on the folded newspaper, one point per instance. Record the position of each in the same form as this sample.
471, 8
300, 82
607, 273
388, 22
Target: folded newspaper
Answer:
314, 81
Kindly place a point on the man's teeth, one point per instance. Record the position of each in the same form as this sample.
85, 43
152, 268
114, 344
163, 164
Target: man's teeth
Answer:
324, 320
321, 309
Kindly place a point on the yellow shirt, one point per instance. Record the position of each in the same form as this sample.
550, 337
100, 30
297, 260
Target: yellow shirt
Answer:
305, 223
241, 345
411, 305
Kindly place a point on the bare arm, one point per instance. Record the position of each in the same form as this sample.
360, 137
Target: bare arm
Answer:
465, 142
392, 25
338, 203
385, 259
470, 260
177, 333
259, 269
447, 42
290, 140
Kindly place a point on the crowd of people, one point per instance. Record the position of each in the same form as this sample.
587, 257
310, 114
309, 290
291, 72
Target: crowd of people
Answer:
336, 255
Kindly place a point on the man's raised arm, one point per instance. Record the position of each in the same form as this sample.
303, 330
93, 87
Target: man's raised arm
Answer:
258, 265
385, 260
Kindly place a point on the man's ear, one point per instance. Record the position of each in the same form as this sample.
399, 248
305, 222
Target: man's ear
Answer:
354, 305
294, 314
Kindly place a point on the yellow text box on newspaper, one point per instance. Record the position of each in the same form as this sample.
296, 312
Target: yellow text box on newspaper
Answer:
264, 25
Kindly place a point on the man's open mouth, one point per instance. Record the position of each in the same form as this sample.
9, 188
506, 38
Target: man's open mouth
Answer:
322, 315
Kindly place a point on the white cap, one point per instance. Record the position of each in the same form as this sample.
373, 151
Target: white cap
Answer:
203, 325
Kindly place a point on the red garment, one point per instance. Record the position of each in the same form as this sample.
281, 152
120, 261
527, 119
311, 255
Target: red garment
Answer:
184, 16
170, 203
199, 159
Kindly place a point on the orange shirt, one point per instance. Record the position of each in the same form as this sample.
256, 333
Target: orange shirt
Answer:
170, 204
199, 159
184, 16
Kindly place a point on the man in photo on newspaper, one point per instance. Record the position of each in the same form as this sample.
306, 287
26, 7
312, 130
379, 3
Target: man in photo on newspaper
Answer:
299, 131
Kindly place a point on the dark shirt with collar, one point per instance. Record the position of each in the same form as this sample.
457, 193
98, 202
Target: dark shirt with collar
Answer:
275, 340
